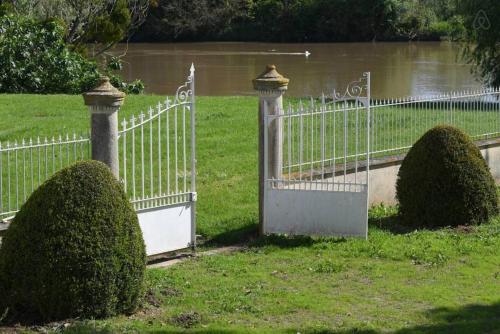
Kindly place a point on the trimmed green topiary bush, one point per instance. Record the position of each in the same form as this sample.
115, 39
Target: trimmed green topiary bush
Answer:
444, 181
75, 249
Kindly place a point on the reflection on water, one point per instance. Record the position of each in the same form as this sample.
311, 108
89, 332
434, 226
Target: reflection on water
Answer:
398, 69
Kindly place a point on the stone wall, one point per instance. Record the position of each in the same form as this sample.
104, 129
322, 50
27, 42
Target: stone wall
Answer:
384, 172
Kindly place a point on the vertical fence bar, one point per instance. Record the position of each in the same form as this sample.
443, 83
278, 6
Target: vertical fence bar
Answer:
24, 171
39, 162
168, 144
151, 175
132, 124
8, 176
334, 130
60, 152
159, 149
176, 152
301, 139
82, 157
322, 135
184, 147
311, 115
368, 129
192, 109
141, 119
74, 147
67, 150
31, 165
289, 141
53, 155
45, 145
124, 138
356, 144
16, 176
345, 142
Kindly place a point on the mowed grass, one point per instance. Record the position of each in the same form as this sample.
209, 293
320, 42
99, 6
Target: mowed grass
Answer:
226, 147
399, 281
444, 281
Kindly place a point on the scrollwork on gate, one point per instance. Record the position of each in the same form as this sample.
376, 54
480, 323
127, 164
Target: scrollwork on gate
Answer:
185, 92
355, 89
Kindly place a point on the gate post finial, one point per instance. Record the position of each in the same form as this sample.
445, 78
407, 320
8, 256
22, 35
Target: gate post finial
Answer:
270, 80
270, 86
103, 102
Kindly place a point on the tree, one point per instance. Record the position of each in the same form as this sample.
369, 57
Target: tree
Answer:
482, 36
186, 20
101, 22
35, 59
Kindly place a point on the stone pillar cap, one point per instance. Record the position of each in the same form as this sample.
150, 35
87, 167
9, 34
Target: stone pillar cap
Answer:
105, 95
270, 79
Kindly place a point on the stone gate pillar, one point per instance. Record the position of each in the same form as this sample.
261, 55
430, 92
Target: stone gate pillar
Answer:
104, 101
270, 86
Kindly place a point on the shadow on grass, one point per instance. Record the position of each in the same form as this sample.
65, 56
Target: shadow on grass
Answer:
248, 234
468, 319
392, 224
330, 331
464, 320
243, 234
84, 329
284, 241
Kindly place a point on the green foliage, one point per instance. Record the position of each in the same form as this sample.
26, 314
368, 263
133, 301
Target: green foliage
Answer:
444, 181
75, 249
110, 27
102, 22
6, 8
297, 20
188, 20
482, 25
34, 58
114, 64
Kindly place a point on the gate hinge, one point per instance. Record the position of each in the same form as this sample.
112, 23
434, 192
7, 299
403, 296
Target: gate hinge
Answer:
194, 197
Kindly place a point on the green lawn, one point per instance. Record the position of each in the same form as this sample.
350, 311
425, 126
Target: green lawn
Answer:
396, 282
226, 148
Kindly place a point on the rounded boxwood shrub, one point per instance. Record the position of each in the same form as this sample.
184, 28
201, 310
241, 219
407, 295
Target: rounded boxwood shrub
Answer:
444, 181
75, 249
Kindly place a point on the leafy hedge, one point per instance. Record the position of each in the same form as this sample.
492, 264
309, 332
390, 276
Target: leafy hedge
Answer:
75, 249
35, 59
444, 181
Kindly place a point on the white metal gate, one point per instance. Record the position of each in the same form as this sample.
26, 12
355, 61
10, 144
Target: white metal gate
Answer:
158, 170
316, 165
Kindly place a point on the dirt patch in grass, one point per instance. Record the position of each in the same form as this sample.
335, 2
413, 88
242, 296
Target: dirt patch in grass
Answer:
186, 320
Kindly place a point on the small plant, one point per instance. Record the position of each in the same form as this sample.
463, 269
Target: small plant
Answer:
328, 267
75, 249
444, 181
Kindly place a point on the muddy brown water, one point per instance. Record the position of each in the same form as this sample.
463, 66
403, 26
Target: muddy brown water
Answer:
398, 69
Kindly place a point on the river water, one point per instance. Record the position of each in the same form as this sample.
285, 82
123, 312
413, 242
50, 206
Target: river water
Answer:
398, 69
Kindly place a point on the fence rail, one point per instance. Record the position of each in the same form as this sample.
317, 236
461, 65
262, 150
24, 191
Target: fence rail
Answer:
157, 152
399, 123
26, 164
323, 139
395, 125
